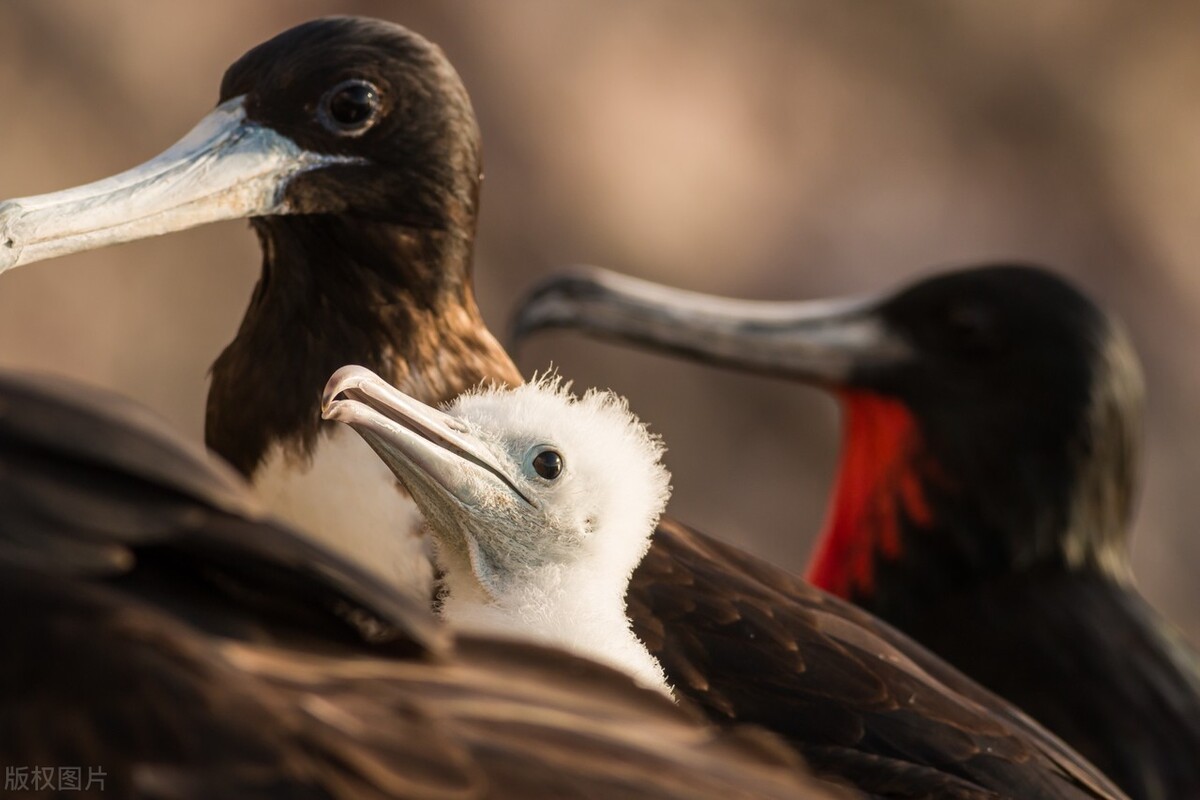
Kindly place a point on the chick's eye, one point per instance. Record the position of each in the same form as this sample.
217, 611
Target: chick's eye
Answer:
350, 107
548, 464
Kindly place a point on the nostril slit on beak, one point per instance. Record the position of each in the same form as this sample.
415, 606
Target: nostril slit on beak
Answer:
9, 243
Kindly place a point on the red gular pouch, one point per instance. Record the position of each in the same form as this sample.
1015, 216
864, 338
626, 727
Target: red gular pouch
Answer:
878, 480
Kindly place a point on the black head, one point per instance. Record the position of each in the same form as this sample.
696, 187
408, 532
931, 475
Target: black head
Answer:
1026, 403
1003, 363
992, 413
376, 92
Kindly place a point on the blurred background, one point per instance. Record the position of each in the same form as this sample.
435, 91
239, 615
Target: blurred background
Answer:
754, 148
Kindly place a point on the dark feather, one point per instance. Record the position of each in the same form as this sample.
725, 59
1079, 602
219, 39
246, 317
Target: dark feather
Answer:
751, 643
190, 651
1053, 642
374, 269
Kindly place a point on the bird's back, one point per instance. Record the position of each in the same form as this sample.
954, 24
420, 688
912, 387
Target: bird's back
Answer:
752, 643
1093, 662
168, 641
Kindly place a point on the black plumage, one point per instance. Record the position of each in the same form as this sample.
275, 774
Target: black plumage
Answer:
986, 487
749, 642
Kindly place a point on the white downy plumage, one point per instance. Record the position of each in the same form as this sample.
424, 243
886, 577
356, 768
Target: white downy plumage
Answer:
345, 499
540, 505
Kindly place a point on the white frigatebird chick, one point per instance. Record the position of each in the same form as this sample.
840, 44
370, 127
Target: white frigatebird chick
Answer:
986, 485
165, 639
352, 146
540, 505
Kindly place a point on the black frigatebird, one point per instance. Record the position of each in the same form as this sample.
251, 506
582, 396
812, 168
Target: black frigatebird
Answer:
352, 145
986, 486
165, 639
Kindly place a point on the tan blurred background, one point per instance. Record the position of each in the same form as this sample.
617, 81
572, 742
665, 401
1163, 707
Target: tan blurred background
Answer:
759, 149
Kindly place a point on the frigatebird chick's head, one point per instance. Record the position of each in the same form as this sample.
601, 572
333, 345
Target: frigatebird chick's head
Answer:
992, 414
540, 504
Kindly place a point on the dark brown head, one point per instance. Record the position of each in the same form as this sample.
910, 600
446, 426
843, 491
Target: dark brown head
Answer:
383, 98
372, 263
352, 146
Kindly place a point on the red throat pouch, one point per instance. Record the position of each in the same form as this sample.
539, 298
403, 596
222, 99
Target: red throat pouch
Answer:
877, 482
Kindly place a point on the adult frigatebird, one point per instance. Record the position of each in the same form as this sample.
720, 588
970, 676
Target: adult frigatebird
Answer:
352, 145
986, 485
164, 639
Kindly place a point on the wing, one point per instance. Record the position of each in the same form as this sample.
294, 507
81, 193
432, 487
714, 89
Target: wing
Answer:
91, 678
160, 631
751, 643
95, 485
94, 679
1090, 660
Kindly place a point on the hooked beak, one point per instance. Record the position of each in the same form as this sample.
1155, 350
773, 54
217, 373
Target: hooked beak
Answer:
417, 442
226, 168
824, 342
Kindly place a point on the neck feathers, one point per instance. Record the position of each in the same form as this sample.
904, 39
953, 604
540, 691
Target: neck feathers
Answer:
573, 609
904, 529
395, 300
333, 292
1106, 456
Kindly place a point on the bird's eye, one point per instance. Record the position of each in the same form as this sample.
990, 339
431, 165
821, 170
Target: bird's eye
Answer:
548, 464
350, 108
970, 329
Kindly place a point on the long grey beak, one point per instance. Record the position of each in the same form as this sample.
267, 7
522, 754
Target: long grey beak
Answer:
417, 442
819, 341
225, 168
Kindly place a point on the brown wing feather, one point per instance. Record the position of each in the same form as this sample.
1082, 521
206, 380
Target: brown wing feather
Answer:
95, 678
157, 629
752, 643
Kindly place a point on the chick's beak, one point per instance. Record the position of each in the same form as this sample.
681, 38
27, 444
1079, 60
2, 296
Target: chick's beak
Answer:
417, 442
